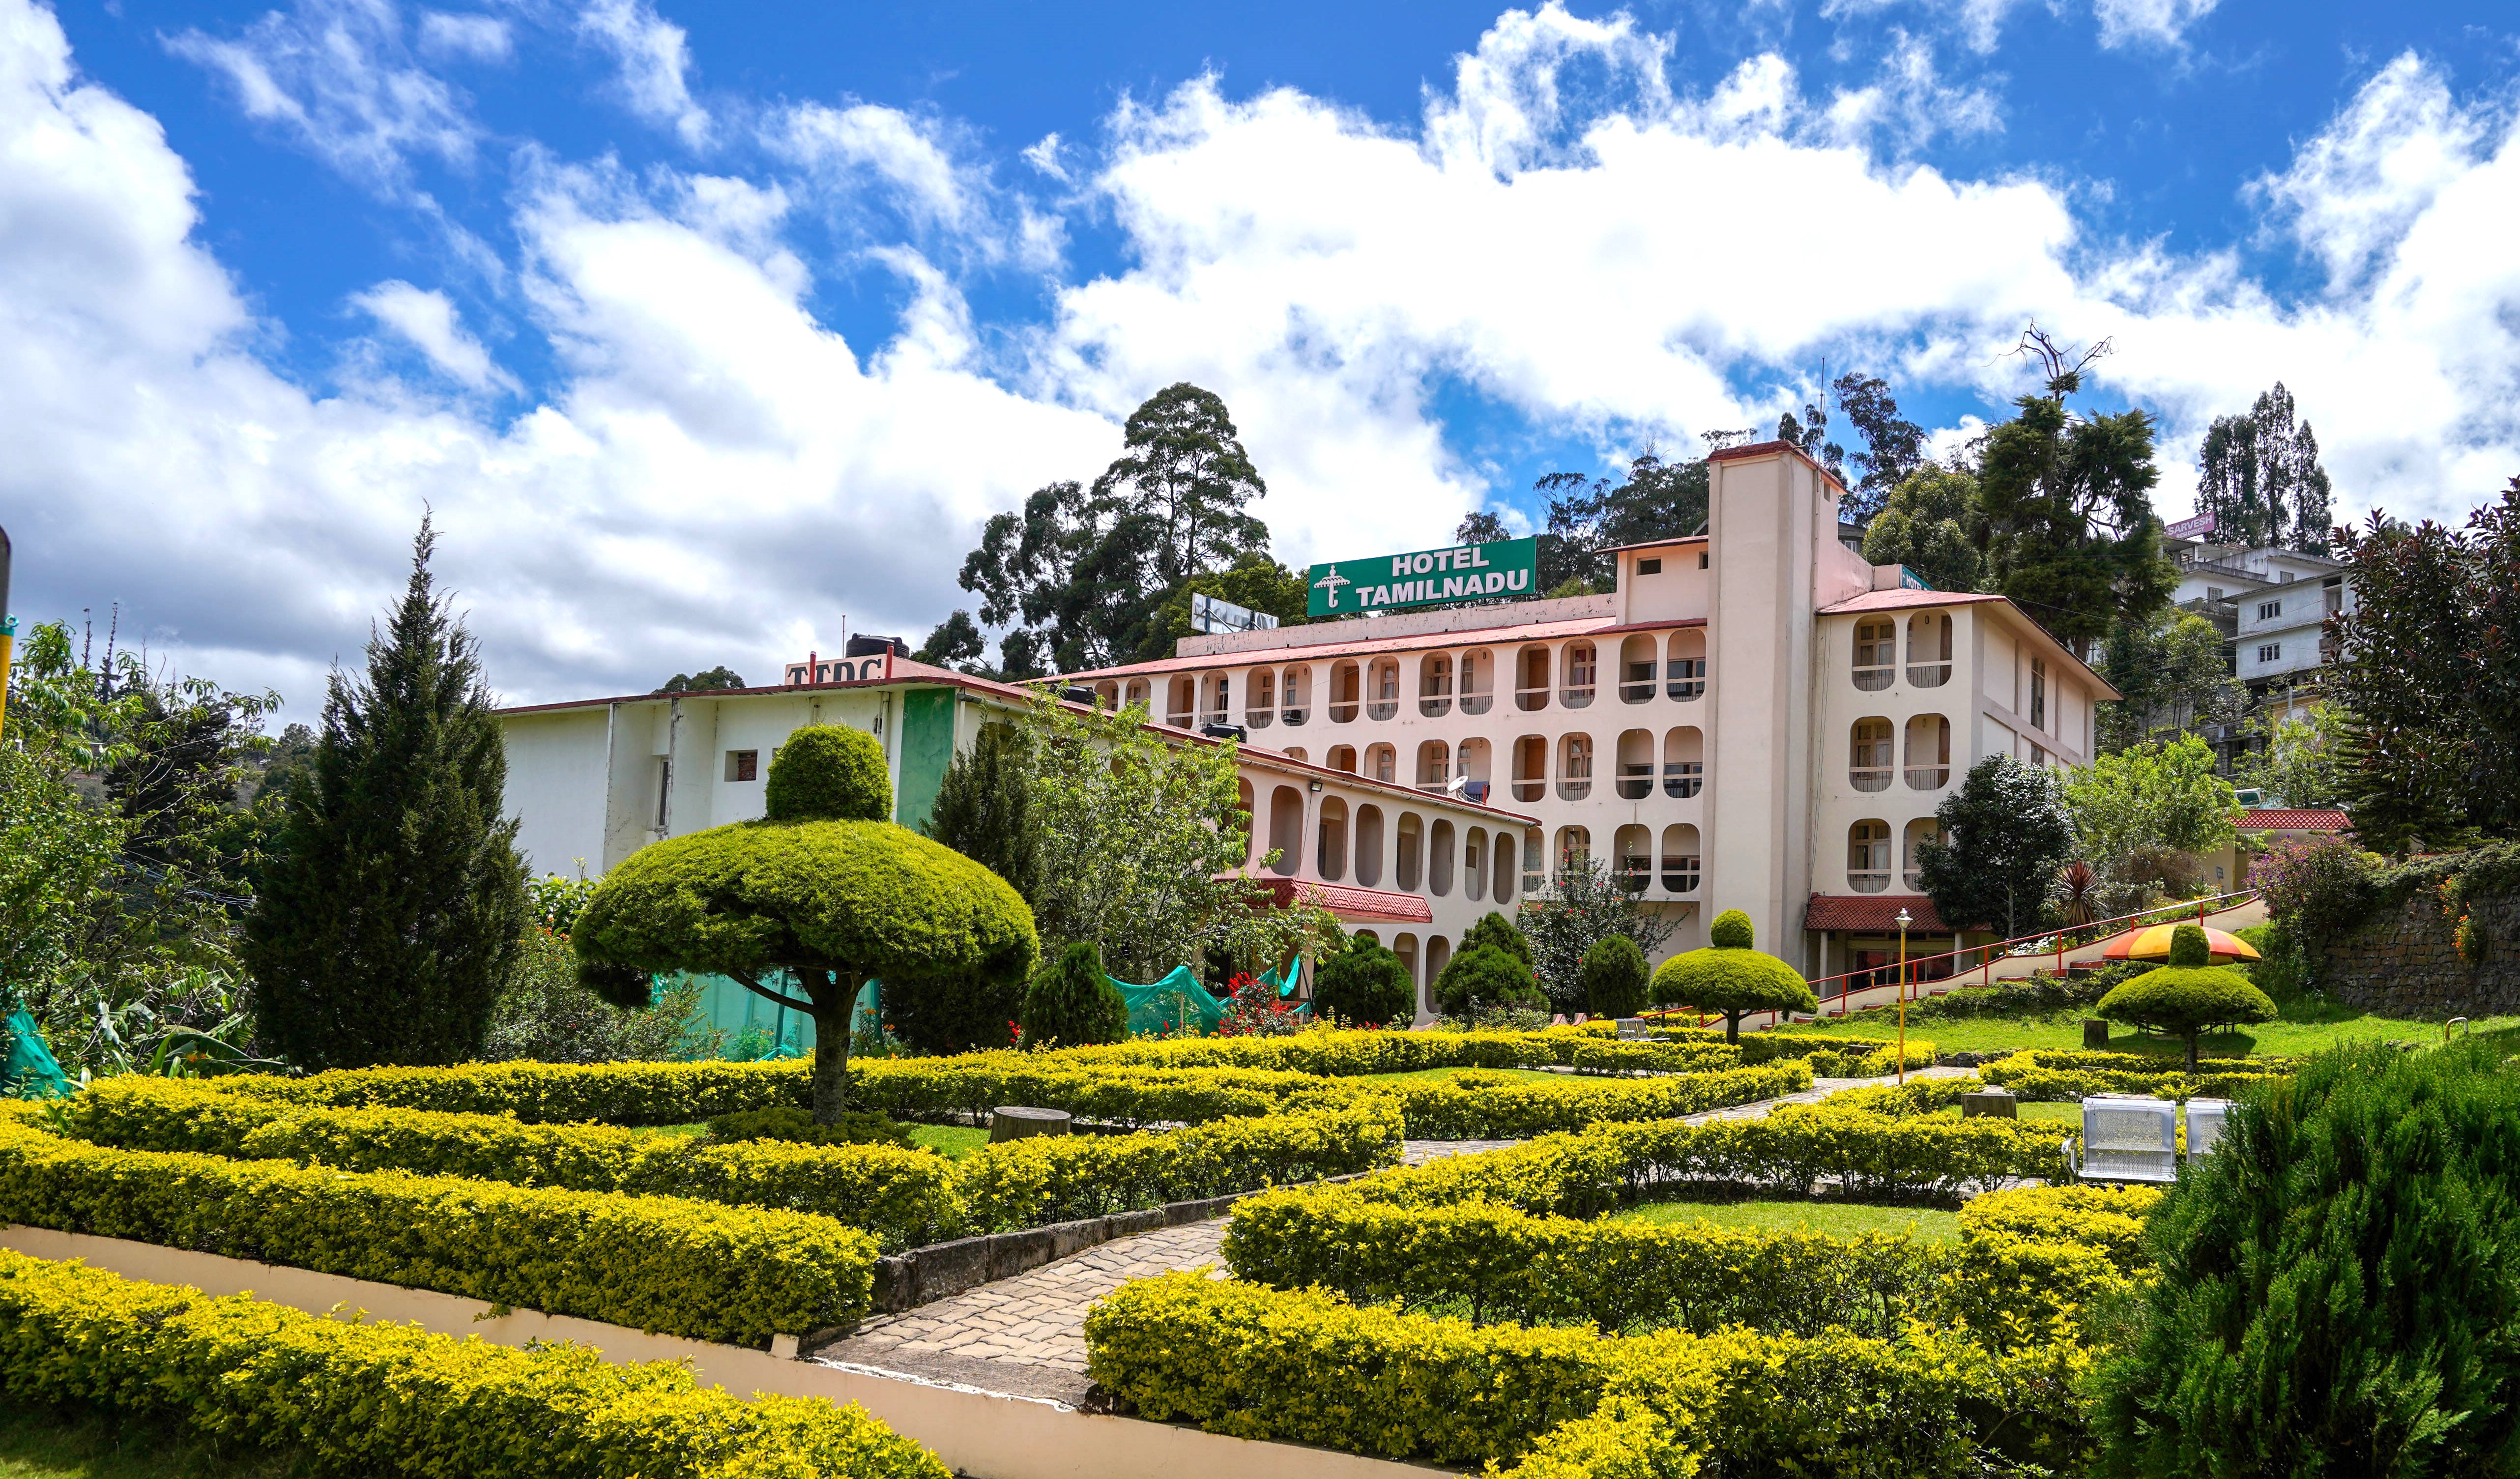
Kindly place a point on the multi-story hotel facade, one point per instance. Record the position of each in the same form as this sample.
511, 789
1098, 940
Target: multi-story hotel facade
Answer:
1754, 719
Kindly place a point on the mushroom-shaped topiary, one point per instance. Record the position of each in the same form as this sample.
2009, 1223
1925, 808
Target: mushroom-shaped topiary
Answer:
1615, 978
1731, 978
2188, 996
1489, 974
823, 888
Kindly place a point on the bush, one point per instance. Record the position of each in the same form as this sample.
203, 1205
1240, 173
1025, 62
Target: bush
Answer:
376, 1397
1731, 978
2320, 889
2339, 1285
1072, 1001
1614, 977
1489, 974
942, 1015
827, 772
1047, 1178
545, 1014
1494, 928
857, 1127
2186, 1000
1363, 985
687, 1268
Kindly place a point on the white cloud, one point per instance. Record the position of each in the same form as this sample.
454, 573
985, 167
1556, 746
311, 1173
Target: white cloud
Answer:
477, 37
851, 144
1910, 105
1043, 155
427, 319
655, 54
2355, 189
2162, 22
337, 78
1980, 22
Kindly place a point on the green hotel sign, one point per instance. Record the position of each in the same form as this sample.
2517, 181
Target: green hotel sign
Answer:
1427, 577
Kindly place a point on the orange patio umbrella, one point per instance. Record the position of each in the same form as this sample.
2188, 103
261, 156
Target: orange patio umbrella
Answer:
2153, 944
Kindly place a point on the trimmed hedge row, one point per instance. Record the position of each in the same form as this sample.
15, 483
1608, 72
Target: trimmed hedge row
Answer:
2051, 1077
1343, 1052
687, 1268
904, 1198
2108, 1218
374, 1397
1835, 1056
1255, 1362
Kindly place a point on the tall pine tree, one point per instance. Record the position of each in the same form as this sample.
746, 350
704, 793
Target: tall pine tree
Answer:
393, 909
2259, 476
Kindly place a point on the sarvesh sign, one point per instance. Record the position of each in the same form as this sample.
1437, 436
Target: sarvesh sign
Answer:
1426, 578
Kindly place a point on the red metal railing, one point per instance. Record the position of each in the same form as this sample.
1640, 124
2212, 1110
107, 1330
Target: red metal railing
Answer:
1981, 960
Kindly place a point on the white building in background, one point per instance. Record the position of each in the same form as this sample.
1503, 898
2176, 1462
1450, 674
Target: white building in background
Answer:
593, 780
1754, 719
2272, 606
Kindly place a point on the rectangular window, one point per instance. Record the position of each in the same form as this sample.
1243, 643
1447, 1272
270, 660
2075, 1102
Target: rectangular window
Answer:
2267, 610
1648, 567
664, 788
2039, 693
2273, 652
1701, 560
744, 765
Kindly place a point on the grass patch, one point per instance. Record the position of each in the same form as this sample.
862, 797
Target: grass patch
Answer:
2063, 1113
1439, 1073
953, 1142
1829, 1218
45, 1443
2301, 1028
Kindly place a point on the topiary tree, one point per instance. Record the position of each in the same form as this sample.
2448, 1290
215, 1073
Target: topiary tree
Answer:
1494, 928
2339, 1287
1489, 974
2188, 996
1364, 983
1615, 978
1072, 1001
823, 889
1731, 978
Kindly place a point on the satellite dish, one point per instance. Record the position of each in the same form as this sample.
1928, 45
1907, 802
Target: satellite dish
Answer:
1456, 785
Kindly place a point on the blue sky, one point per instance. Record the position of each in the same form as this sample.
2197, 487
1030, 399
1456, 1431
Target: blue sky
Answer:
705, 329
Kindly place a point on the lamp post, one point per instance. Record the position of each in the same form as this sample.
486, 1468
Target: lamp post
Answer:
8, 627
1903, 921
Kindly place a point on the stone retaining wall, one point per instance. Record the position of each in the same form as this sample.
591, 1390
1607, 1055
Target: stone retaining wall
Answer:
2404, 962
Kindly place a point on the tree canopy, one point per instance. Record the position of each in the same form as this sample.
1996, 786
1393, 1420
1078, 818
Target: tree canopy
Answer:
1928, 522
2171, 669
2148, 798
701, 682
1590, 517
2259, 476
2007, 834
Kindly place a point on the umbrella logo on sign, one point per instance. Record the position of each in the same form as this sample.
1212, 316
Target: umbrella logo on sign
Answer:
1332, 583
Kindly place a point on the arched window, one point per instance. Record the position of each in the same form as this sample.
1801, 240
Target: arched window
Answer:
1439, 858
1633, 845
1434, 765
1574, 850
1135, 693
1684, 762
1930, 649
1407, 867
1635, 765
1296, 694
1575, 767
1479, 682
1382, 762
1107, 694
1382, 688
1685, 677
1929, 752
1435, 684
1242, 802
1329, 858
1342, 757
1870, 766
1219, 689
1582, 674
1503, 872
1876, 654
1369, 846
1530, 768
1476, 762
1260, 699
1531, 679
1679, 866
1286, 829
1346, 687
1867, 857
1439, 954
1535, 858
1474, 864
1406, 947
1638, 660
1184, 693
1912, 871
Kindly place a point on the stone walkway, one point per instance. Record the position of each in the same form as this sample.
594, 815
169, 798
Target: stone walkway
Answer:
1025, 1336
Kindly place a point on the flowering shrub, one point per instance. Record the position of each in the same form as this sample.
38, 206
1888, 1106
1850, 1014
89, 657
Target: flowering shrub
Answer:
2319, 889
1255, 1010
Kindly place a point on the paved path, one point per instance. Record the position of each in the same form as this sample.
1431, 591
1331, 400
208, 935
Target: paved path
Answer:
1025, 1336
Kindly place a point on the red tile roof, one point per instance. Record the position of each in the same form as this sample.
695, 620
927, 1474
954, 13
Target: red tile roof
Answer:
1873, 913
2295, 819
1902, 598
1373, 905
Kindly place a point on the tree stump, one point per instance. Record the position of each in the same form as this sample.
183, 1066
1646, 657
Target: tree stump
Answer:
1017, 1122
1997, 1104
2095, 1035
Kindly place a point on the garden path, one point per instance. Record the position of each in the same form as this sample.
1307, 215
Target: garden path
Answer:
1025, 1336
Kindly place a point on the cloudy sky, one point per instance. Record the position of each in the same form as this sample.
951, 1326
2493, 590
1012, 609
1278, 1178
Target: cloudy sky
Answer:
705, 329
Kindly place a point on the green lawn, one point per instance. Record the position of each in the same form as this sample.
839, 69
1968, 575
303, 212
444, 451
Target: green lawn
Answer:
40, 1443
1437, 1073
1834, 1219
2303, 1027
2059, 1113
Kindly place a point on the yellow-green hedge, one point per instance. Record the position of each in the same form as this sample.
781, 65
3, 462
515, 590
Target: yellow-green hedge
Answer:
384, 1398
1343, 1052
1309, 1367
1475, 1105
2109, 1218
1832, 1056
2040, 1075
689, 1268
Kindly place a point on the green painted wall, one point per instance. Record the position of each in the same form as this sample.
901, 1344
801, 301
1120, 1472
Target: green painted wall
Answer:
927, 750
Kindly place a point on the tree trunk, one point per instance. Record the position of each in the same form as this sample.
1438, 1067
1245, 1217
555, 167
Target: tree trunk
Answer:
834, 994
2192, 1052
1732, 1028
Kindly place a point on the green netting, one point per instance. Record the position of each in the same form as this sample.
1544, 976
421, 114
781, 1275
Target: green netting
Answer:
1168, 1003
29, 1070
1285, 977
